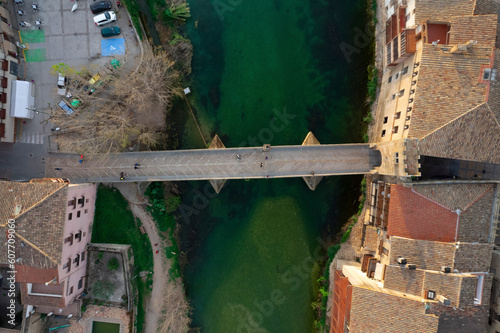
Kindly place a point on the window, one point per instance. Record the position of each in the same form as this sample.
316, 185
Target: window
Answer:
390, 79
80, 284
431, 294
78, 214
4, 19
78, 236
396, 76
405, 70
385, 251
395, 129
393, 96
81, 201
397, 115
76, 261
85, 211
67, 265
401, 92
82, 256
479, 290
70, 291
385, 120
486, 73
383, 133
70, 216
86, 200
69, 239
72, 203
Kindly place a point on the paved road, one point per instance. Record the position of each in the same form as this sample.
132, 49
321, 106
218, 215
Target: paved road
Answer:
281, 162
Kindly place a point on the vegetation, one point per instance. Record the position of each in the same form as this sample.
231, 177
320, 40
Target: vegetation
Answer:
372, 84
102, 289
113, 264
120, 109
321, 304
114, 223
373, 8
160, 209
179, 12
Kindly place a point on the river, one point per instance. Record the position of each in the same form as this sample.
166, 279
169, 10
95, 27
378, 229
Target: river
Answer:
269, 71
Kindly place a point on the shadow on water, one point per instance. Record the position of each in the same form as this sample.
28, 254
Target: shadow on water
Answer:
148, 22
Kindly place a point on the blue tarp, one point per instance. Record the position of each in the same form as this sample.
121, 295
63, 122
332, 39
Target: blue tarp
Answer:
112, 46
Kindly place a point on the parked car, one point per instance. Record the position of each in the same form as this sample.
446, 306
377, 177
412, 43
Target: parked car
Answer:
61, 84
100, 6
66, 108
110, 31
104, 18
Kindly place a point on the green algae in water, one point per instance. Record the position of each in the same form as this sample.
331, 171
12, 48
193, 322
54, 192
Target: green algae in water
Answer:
250, 244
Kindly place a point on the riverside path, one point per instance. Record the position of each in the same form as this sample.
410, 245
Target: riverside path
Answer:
216, 164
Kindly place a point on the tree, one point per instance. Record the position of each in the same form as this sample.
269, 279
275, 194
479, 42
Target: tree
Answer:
120, 108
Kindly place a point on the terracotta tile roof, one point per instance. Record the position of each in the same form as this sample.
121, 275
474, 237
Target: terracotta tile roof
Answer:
455, 287
24, 195
415, 216
40, 213
447, 86
454, 196
484, 7
473, 136
3, 245
482, 29
374, 312
439, 10
35, 275
424, 254
58, 302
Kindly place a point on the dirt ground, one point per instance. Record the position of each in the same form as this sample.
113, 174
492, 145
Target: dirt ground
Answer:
112, 281
167, 309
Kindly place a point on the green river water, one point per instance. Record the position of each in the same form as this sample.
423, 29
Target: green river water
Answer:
268, 71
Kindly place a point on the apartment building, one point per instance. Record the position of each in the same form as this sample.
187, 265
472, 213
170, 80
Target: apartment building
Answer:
439, 93
53, 225
425, 262
10, 87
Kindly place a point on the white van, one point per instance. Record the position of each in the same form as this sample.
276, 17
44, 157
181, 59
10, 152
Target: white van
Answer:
61, 85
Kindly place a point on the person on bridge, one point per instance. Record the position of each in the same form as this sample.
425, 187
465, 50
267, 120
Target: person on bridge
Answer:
136, 166
121, 176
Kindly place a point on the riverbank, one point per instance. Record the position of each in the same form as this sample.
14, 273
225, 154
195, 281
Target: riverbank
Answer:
349, 242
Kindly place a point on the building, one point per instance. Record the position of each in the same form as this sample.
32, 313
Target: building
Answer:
439, 94
10, 73
53, 225
425, 262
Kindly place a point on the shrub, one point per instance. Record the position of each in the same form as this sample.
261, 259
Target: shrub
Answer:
113, 264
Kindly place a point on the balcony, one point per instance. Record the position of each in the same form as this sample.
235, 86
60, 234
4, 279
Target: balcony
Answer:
39, 289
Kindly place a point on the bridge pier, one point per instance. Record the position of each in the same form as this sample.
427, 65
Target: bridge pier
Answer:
217, 184
311, 181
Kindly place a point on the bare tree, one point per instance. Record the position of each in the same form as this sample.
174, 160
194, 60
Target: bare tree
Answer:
120, 108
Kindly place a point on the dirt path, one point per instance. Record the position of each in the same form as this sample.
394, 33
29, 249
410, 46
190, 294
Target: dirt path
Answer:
167, 309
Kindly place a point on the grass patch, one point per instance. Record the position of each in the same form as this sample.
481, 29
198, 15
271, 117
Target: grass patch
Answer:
114, 223
161, 209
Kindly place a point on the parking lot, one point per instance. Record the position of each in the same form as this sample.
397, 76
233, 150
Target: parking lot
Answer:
65, 37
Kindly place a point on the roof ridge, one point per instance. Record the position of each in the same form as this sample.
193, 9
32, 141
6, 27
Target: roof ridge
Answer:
431, 200
493, 114
37, 248
41, 200
479, 197
463, 114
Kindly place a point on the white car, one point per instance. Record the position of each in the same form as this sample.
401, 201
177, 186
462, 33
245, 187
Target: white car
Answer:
104, 18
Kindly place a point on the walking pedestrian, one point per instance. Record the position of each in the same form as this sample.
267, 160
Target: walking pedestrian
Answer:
261, 165
136, 166
156, 244
121, 176
58, 168
157, 251
238, 156
312, 173
266, 157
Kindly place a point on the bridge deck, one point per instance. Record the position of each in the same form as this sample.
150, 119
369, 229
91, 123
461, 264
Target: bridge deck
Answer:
198, 164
